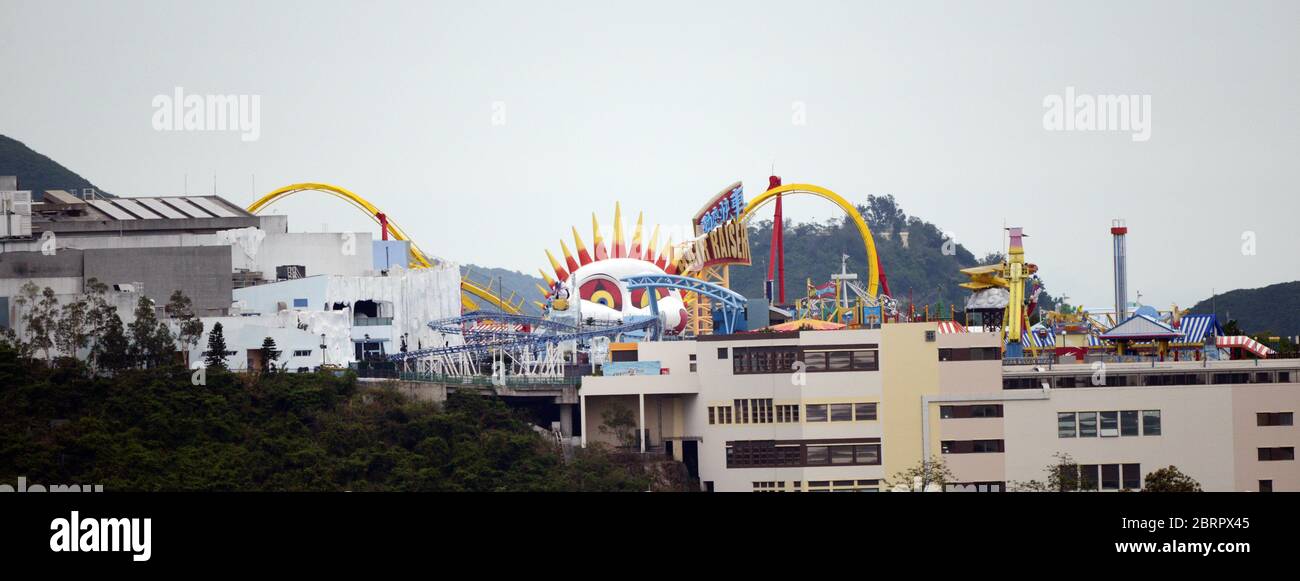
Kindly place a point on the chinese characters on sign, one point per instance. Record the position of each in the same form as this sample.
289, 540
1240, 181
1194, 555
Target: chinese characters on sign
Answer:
721, 238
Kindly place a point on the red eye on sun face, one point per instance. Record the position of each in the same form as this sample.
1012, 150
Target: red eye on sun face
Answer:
602, 291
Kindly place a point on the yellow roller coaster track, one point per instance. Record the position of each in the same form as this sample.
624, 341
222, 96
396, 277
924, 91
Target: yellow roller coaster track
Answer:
873, 277
418, 258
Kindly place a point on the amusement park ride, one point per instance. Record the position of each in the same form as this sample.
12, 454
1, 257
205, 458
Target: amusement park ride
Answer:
620, 290
626, 290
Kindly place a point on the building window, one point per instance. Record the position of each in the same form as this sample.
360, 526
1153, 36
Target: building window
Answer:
720, 414
1276, 454
781, 359
1132, 474
762, 411
742, 411
841, 454
818, 455
815, 412
867, 454
953, 412
970, 354
841, 412
1020, 383
1087, 424
722, 352
1274, 418
787, 414
864, 412
1128, 423
1266, 486
1088, 477
929, 336
865, 361
1065, 425
1150, 422
1109, 424
769, 486
1110, 476
972, 446
774, 454
839, 361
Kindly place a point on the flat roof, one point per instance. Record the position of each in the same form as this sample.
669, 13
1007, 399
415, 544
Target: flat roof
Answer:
1148, 367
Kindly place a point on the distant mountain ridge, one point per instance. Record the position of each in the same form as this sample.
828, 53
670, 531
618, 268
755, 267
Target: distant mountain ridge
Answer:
36, 172
1273, 309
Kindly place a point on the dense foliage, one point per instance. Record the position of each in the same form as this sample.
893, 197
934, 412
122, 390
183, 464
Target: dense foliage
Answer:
153, 429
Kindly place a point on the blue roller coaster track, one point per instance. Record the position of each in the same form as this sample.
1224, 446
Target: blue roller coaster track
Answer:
551, 333
729, 304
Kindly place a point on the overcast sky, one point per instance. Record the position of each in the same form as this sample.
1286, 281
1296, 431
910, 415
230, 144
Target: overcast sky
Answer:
662, 104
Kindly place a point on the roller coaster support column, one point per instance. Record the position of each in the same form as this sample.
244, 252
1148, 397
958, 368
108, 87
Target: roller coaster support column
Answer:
654, 312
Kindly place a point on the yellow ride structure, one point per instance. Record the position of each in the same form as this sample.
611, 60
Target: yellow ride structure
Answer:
418, 259
1011, 274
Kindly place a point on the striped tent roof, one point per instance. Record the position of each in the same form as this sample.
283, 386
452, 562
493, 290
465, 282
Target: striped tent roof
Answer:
1044, 341
947, 327
1195, 327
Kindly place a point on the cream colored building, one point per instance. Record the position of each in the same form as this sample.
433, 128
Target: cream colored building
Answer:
843, 410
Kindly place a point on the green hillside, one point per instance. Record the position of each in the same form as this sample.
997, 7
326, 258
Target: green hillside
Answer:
1274, 309
926, 269
511, 280
37, 172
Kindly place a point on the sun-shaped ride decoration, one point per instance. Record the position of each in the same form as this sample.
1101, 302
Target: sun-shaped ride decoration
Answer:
598, 273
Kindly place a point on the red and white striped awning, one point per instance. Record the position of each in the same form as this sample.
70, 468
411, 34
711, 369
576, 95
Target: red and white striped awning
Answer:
495, 327
1244, 342
947, 327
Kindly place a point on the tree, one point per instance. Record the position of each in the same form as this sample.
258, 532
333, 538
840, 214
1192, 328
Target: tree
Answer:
1231, 329
1062, 476
190, 327
151, 343
883, 212
98, 310
924, 476
1170, 479
72, 333
620, 422
112, 350
215, 356
10, 340
269, 355
40, 315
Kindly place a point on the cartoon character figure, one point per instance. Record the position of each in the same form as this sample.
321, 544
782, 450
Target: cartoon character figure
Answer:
598, 274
